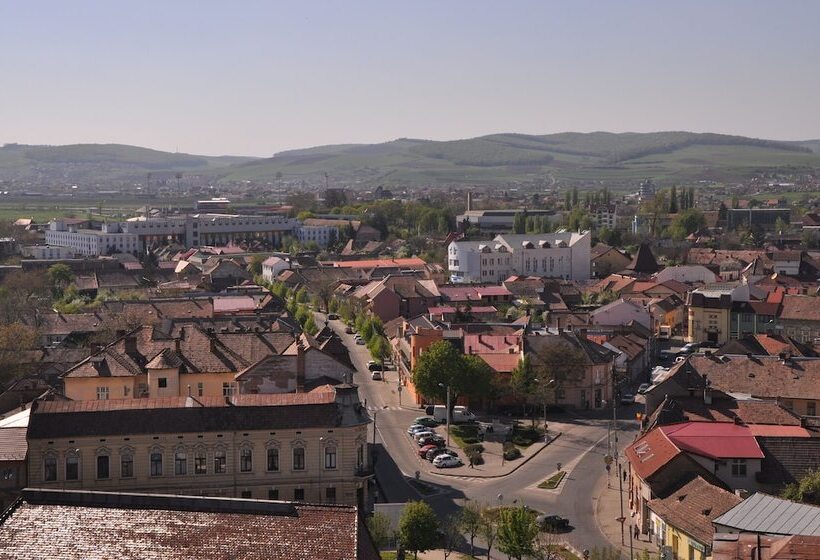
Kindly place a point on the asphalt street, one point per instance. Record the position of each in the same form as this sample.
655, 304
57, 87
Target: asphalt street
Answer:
580, 450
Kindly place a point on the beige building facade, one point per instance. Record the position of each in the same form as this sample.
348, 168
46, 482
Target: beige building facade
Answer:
305, 447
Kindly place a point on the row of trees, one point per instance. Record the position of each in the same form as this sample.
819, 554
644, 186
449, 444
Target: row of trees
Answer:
591, 198
681, 201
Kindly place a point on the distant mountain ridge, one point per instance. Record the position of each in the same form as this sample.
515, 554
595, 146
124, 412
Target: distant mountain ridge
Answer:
496, 159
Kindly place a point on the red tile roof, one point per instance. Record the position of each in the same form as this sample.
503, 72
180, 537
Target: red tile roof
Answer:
502, 363
716, 440
650, 453
413, 262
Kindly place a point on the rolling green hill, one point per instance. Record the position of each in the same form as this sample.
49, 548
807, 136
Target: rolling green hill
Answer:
501, 158
497, 159
101, 162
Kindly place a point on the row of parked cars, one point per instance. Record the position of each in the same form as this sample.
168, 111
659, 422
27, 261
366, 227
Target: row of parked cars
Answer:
431, 445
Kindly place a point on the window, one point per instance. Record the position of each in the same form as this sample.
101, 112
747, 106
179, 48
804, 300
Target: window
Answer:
156, 464
200, 462
245, 460
330, 457
162, 382
273, 494
273, 459
200, 389
103, 465
298, 458
127, 465
330, 495
738, 467
180, 462
50, 468
360, 456
227, 390
102, 393
299, 495
72, 467
220, 464
811, 408
246, 494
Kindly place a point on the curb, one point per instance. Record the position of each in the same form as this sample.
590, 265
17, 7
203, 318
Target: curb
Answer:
518, 466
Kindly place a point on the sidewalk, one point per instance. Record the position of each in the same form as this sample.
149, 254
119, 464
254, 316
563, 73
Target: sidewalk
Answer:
607, 512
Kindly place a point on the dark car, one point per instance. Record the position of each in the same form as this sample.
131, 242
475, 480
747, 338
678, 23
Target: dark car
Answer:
552, 523
349, 329
431, 440
332, 316
426, 421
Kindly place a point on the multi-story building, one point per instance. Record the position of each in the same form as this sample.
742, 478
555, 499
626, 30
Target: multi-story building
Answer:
800, 318
92, 242
192, 230
557, 255
765, 218
710, 311
47, 252
322, 235
302, 447
604, 215
498, 220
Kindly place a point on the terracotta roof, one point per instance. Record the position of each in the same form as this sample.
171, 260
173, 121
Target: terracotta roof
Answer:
692, 508
749, 412
63, 525
761, 376
234, 304
800, 308
490, 344
716, 440
650, 453
414, 262
501, 363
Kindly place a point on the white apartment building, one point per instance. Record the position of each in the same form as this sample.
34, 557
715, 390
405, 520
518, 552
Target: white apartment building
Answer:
322, 235
554, 255
192, 230
47, 252
92, 242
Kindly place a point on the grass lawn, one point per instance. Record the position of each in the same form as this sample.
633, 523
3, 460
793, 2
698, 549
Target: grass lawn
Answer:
524, 436
552, 482
464, 434
388, 554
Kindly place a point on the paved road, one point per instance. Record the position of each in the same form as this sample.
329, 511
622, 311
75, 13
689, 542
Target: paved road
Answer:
580, 450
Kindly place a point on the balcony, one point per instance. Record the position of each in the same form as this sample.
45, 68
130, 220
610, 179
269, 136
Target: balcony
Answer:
365, 471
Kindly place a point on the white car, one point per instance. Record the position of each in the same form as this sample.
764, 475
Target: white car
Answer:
446, 462
376, 376
418, 436
416, 428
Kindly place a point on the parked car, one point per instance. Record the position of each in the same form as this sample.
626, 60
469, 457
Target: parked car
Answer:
446, 462
376, 376
436, 440
349, 330
422, 434
374, 366
552, 523
428, 421
627, 399
332, 316
643, 388
360, 341
433, 453
689, 348
416, 428
426, 449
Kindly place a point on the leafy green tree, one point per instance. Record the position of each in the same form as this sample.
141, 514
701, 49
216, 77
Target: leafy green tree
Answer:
442, 363
806, 490
517, 531
380, 529
688, 221
519, 223
418, 528
301, 295
673, 200
557, 363
469, 521
255, 267
574, 197
60, 276
522, 379
489, 527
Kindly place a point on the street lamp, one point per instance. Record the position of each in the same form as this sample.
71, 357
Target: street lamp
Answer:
448, 411
547, 384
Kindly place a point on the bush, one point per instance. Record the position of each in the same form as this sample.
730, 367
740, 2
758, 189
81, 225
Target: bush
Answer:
474, 448
511, 452
477, 458
526, 436
470, 440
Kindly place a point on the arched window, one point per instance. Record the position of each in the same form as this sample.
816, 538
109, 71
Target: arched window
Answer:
245, 459
330, 454
200, 461
220, 461
126, 462
298, 456
272, 456
180, 461
72, 465
103, 464
156, 461
50, 467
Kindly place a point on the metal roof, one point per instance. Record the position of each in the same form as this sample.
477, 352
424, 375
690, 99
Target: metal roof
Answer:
761, 513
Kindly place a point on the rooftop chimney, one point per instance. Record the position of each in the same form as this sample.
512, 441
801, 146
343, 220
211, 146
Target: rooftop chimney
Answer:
300, 367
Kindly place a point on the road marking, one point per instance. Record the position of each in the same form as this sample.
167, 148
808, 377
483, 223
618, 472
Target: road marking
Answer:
568, 468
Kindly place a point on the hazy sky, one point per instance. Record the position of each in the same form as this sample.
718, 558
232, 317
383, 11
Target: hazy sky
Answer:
253, 78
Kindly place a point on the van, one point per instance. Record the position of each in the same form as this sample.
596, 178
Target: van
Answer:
460, 414
664, 332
